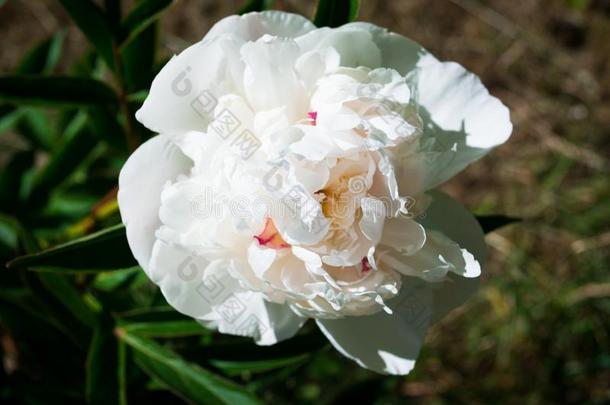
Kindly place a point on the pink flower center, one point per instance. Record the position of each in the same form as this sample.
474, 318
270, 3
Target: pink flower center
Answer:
270, 237
313, 116
366, 266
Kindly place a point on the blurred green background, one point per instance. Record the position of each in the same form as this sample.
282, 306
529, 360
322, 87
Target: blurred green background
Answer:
538, 331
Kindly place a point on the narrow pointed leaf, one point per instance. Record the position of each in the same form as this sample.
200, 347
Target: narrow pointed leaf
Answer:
11, 179
94, 24
35, 126
334, 13
138, 58
236, 356
144, 14
103, 250
102, 378
187, 380
255, 5
60, 313
104, 123
67, 295
43, 57
490, 223
77, 143
113, 11
9, 117
237, 367
169, 329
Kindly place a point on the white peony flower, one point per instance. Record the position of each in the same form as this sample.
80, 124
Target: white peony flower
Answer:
291, 179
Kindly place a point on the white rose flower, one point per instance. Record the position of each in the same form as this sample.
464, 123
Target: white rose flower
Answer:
290, 179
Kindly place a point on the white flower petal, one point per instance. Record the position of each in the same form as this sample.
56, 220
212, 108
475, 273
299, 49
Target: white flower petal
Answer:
260, 258
382, 342
396, 51
184, 94
269, 78
180, 276
355, 47
457, 223
206, 291
462, 121
373, 218
247, 313
432, 262
141, 180
403, 234
252, 26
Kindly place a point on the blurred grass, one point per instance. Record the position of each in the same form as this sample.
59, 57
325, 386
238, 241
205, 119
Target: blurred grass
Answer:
539, 329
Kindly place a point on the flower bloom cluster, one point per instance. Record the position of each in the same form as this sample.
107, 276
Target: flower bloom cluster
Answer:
291, 178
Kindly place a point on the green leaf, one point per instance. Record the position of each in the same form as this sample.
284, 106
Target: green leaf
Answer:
77, 142
56, 90
151, 314
113, 11
11, 179
102, 384
103, 250
104, 123
62, 312
122, 372
138, 97
255, 5
110, 281
170, 329
34, 125
9, 116
138, 58
144, 14
43, 57
8, 233
235, 356
334, 13
41, 345
94, 24
237, 367
187, 380
68, 296
490, 223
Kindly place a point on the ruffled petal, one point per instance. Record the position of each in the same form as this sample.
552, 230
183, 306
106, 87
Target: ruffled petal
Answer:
185, 93
382, 342
396, 52
453, 220
354, 46
404, 235
252, 26
269, 78
141, 180
390, 343
206, 291
462, 121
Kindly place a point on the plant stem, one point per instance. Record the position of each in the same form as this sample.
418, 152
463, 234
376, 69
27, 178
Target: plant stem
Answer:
133, 140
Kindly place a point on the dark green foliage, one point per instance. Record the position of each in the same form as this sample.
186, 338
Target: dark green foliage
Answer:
490, 223
84, 321
255, 5
334, 13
